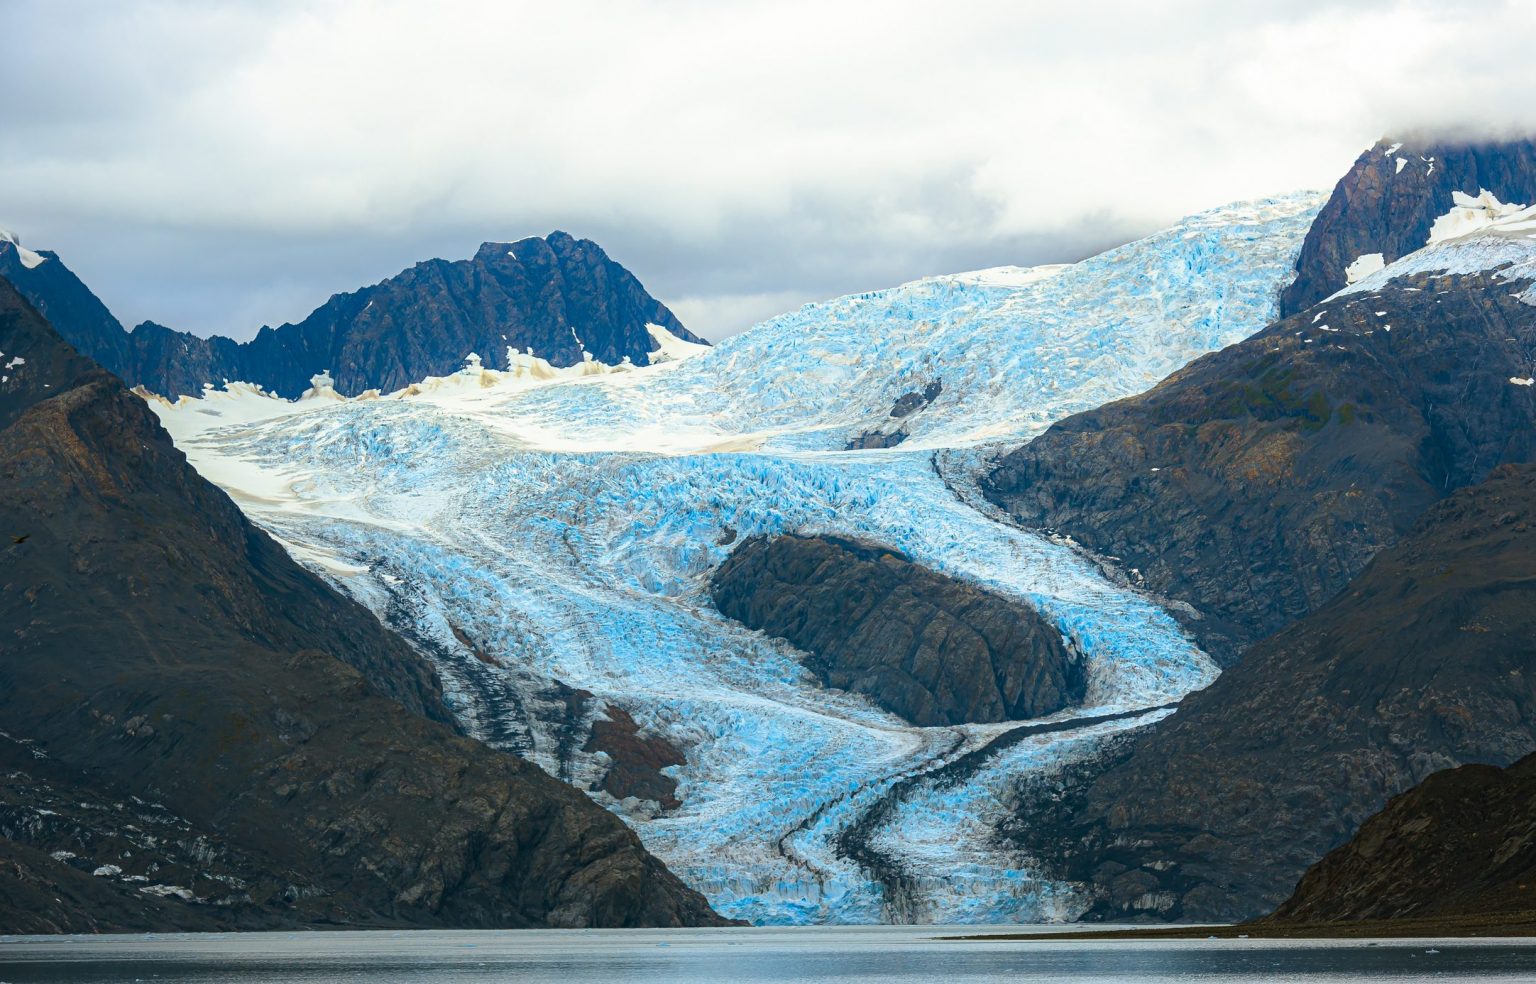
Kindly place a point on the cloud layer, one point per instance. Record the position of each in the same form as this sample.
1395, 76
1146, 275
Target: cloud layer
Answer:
217, 166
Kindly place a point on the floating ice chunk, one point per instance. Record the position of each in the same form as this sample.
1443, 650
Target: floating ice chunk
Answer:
1525, 381
107, 871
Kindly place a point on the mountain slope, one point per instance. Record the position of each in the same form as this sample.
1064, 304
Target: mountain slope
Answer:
1461, 843
1261, 489
1426, 660
1256, 482
78, 315
159, 650
1390, 199
558, 296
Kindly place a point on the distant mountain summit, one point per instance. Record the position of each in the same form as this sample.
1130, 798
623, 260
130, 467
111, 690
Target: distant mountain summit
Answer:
562, 297
1384, 208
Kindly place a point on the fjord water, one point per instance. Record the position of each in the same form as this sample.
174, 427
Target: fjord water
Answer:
790, 955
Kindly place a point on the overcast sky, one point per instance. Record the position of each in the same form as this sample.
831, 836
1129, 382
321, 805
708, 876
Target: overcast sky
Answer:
216, 167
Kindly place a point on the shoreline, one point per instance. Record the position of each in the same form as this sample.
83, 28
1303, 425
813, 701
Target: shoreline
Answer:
1480, 925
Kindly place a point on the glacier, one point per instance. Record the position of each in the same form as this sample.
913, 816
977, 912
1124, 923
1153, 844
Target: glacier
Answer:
535, 530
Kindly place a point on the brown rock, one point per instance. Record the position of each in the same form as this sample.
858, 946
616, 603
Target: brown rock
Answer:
930, 648
260, 709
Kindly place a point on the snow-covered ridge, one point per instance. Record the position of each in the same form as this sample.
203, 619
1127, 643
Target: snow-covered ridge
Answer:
566, 522
1475, 235
29, 259
1483, 213
243, 402
670, 348
1007, 276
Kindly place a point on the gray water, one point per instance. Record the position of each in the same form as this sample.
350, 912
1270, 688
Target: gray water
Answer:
887, 954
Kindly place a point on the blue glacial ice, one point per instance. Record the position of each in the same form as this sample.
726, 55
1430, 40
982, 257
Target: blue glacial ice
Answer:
566, 524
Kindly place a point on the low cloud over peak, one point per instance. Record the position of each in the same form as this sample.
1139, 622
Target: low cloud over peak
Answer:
217, 167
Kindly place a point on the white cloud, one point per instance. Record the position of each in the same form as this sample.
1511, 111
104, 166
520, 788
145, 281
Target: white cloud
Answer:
732, 151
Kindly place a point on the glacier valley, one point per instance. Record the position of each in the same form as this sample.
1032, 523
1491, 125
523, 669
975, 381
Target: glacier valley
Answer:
541, 531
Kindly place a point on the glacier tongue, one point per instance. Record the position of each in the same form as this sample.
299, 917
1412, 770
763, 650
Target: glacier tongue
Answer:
535, 533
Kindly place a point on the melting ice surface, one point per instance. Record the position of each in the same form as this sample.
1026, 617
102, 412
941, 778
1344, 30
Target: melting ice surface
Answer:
540, 525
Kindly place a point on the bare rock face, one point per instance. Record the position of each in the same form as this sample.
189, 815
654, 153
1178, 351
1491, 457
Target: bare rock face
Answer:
894, 429
1391, 197
559, 296
1257, 481
927, 647
1344, 501
165, 660
636, 759
1458, 844
1426, 661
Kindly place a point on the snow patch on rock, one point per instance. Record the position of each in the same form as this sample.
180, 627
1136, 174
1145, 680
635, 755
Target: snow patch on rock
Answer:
1364, 265
670, 348
1478, 234
29, 259
1484, 212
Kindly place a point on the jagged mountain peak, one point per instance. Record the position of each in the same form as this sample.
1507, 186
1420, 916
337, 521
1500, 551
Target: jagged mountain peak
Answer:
1388, 203
557, 244
28, 258
561, 297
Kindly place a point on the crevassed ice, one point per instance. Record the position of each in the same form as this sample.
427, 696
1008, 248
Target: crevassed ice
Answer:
567, 523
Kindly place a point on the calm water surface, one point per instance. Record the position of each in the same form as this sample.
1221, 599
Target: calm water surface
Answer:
885, 954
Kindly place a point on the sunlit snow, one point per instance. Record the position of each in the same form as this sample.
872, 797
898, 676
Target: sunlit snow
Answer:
1475, 235
564, 523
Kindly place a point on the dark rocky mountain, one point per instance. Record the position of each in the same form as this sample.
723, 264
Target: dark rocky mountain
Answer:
1461, 843
197, 733
1256, 482
1427, 660
559, 296
1383, 206
893, 430
1345, 501
927, 647
76, 314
